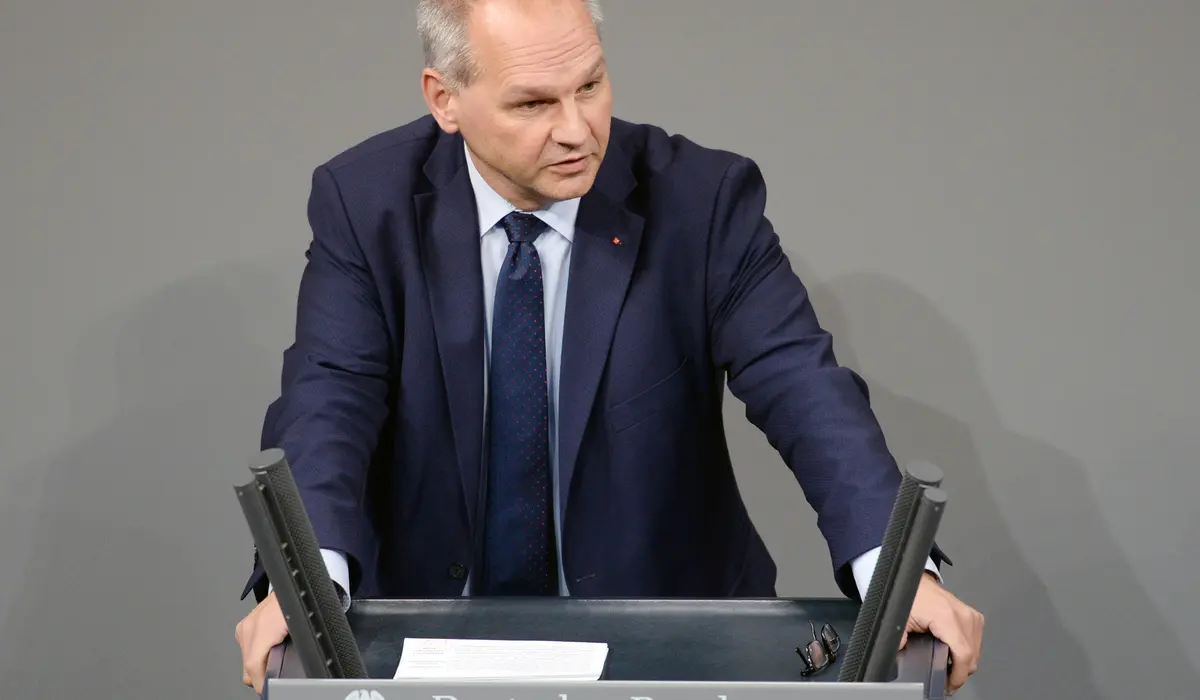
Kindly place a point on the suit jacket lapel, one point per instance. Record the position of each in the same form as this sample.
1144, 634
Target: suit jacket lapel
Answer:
605, 248
449, 244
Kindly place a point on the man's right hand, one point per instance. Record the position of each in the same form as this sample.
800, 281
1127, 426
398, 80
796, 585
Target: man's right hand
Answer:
262, 629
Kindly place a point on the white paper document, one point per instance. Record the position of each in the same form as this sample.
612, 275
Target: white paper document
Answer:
501, 660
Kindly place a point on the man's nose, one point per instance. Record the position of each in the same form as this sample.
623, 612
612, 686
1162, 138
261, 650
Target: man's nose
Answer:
571, 129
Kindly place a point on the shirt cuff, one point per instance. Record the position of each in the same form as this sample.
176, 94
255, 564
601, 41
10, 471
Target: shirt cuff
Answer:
863, 567
339, 572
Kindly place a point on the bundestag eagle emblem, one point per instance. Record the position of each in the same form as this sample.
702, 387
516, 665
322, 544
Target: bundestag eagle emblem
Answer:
364, 695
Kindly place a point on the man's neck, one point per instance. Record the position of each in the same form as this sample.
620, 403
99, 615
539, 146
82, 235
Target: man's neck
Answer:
505, 187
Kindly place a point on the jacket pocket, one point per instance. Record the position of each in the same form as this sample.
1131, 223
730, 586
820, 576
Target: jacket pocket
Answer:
662, 395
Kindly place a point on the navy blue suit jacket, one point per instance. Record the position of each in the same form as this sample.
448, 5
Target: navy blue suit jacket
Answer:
381, 410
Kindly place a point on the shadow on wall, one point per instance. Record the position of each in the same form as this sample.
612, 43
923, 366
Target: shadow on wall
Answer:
1012, 499
139, 548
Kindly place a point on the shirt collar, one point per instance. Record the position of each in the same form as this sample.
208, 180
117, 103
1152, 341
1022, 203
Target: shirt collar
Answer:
491, 207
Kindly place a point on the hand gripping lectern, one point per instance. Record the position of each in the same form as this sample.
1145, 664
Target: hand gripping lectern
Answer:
659, 649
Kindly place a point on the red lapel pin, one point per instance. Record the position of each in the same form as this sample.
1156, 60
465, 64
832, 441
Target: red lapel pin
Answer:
616, 241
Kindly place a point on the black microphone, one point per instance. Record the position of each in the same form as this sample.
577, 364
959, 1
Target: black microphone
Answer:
909, 537
287, 546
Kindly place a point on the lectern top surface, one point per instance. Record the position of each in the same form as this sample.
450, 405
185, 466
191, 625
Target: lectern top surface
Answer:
727, 640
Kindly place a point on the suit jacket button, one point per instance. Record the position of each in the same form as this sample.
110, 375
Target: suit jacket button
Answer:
458, 571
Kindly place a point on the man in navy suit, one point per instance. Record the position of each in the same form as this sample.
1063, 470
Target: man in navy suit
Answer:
514, 332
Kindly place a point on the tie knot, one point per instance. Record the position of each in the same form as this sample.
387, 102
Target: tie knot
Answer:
522, 227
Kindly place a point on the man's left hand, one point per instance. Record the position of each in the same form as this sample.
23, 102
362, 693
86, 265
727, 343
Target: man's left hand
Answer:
936, 611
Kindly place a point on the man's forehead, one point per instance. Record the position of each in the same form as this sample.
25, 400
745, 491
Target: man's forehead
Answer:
551, 78
549, 65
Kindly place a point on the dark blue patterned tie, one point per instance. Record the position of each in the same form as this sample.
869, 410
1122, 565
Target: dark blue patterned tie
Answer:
518, 535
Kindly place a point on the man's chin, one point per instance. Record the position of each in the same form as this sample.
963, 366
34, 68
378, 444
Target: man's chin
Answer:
562, 188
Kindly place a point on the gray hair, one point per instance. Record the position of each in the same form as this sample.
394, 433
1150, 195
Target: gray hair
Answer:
442, 25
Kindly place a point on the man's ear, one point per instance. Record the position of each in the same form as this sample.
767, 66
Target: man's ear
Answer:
442, 103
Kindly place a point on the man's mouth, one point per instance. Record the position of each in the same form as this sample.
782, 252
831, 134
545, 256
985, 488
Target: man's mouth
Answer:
571, 165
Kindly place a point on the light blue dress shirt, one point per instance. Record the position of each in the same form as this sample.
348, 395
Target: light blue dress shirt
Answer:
554, 249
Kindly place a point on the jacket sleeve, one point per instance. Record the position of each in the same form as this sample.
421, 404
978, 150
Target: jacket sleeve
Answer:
780, 364
335, 383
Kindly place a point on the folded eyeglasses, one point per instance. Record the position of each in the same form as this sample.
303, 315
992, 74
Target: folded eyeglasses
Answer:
821, 651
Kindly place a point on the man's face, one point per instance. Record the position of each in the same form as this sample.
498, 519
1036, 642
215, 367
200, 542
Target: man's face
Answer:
537, 116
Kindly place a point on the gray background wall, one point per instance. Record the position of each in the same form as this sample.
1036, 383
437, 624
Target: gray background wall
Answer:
996, 206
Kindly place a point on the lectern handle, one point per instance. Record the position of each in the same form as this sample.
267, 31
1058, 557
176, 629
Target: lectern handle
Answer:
275, 660
274, 667
939, 671
924, 660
